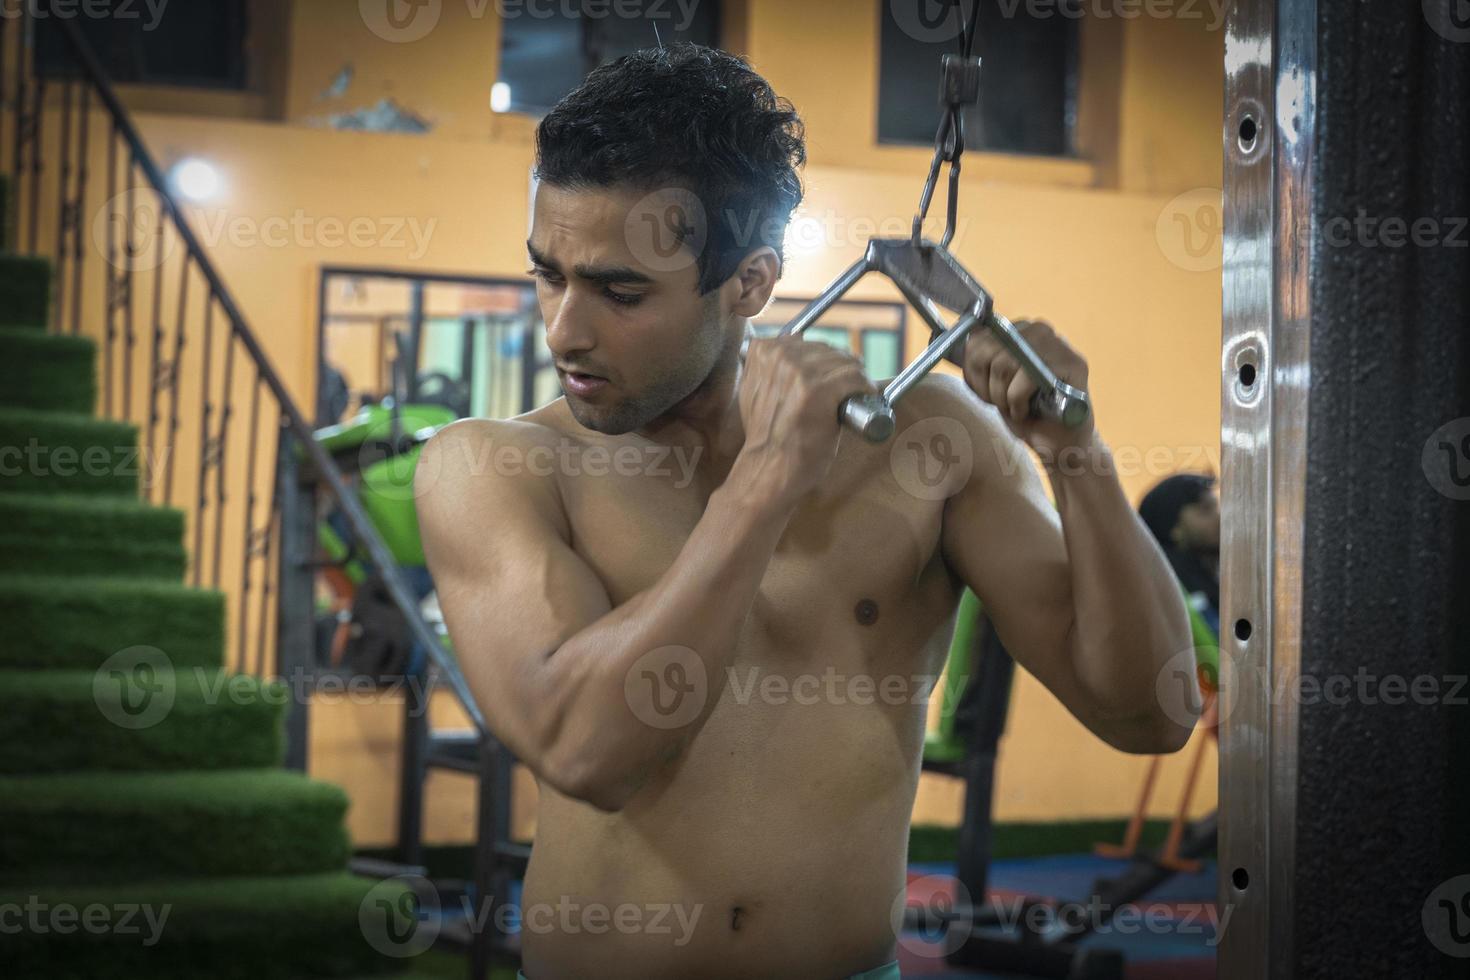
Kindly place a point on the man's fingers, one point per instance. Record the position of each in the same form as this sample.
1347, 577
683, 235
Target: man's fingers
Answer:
1018, 396
981, 349
1002, 369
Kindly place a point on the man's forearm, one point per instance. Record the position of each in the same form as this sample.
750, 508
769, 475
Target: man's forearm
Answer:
1129, 613
609, 731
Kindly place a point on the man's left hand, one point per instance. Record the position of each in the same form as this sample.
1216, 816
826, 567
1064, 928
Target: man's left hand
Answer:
993, 374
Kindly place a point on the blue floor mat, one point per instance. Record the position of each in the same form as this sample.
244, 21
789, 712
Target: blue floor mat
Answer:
1165, 947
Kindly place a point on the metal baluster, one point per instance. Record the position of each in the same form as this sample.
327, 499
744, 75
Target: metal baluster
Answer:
250, 531
38, 93
130, 339
223, 443
110, 273
205, 451
78, 253
4, 38
17, 159
63, 219
158, 373
173, 380
272, 526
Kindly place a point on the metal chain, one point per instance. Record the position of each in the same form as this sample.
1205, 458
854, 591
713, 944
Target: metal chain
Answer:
949, 141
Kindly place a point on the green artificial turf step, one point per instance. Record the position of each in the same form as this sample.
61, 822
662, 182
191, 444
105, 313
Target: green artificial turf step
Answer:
56, 452
25, 291
95, 536
131, 715
114, 827
47, 372
78, 623
238, 928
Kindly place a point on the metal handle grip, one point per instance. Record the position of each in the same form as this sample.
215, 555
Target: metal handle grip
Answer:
870, 415
1054, 398
1062, 403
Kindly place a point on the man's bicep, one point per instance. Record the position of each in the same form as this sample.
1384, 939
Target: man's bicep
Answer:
1003, 538
511, 588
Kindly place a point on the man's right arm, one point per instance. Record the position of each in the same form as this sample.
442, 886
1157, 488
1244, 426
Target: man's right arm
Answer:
543, 650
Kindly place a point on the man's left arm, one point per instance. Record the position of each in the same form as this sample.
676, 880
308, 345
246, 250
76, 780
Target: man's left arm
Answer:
1079, 592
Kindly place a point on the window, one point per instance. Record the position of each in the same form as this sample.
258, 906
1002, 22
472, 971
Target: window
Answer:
475, 346
193, 44
547, 49
873, 331
1028, 75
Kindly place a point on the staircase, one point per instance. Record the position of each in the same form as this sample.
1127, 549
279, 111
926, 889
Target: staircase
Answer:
147, 828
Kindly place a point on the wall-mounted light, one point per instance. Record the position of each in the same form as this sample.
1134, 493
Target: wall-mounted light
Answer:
500, 97
196, 179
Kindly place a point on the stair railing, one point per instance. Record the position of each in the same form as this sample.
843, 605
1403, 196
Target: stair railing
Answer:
177, 356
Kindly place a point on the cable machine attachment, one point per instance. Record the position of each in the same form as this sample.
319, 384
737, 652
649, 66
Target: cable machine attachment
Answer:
930, 278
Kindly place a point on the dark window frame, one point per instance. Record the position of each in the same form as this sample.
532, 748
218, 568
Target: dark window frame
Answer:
595, 47
122, 51
1062, 145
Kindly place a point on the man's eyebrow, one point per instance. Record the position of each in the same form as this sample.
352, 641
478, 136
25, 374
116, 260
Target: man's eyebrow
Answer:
601, 275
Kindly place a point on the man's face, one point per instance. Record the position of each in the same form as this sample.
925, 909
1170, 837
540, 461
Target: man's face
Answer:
621, 305
1199, 524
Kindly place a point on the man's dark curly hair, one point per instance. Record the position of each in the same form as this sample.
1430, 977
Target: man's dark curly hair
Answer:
691, 117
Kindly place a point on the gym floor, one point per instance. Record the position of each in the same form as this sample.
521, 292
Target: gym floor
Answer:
1170, 936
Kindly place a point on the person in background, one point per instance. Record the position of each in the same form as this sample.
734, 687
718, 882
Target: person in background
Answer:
1183, 512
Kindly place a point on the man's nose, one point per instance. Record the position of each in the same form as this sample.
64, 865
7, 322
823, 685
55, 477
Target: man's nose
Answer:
569, 329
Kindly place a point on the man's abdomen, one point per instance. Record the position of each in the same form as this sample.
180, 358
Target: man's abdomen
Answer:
776, 847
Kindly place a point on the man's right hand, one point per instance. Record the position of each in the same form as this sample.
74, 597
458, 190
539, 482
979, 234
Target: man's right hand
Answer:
791, 392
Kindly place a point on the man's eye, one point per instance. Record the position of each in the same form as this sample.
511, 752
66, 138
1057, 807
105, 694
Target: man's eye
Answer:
622, 299
545, 275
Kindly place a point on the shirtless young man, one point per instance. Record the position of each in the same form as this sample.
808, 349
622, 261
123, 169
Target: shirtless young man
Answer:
705, 615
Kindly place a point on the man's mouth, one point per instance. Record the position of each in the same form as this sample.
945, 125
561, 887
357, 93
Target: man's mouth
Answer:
582, 374
580, 382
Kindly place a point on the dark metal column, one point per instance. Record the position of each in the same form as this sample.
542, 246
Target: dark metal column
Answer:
1346, 531
1382, 819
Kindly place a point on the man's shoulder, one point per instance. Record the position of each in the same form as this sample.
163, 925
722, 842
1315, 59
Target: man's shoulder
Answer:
939, 395
941, 421
477, 436
490, 456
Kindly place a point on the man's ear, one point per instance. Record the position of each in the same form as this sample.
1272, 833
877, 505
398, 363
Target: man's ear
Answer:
753, 282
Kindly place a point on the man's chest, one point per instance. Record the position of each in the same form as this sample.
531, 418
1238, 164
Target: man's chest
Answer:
858, 564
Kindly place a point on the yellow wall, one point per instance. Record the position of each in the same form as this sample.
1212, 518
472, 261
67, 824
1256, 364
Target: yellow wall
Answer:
1083, 243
